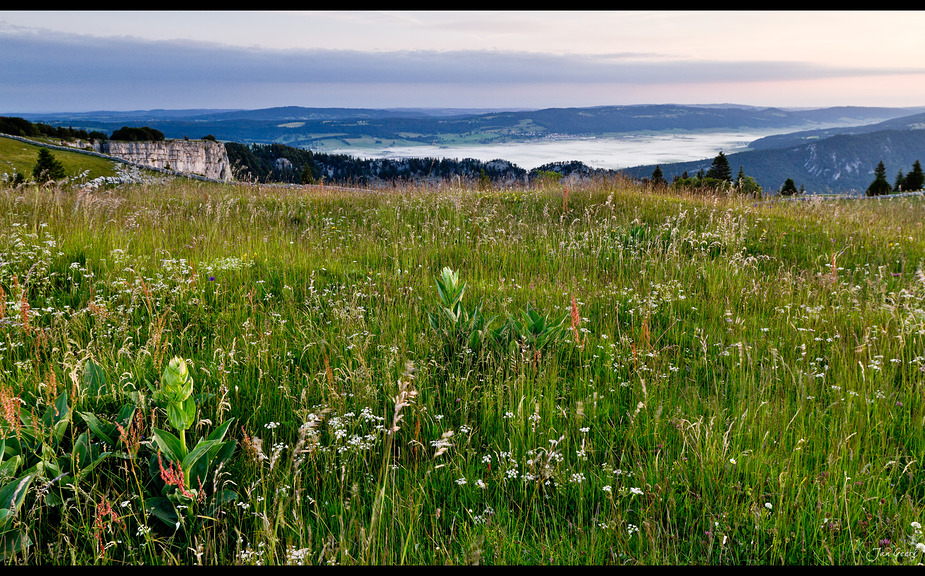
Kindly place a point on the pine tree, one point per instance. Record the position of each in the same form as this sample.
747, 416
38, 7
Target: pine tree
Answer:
47, 167
720, 168
914, 180
879, 186
789, 188
658, 179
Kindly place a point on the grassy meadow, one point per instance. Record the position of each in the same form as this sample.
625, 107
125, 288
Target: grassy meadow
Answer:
19, 158
628, 377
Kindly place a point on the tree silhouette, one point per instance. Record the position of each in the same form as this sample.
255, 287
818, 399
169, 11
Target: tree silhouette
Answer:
658, 179
879, 186
789, 188
720, 168
914, 180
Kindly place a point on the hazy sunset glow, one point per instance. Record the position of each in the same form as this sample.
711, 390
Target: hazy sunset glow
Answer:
75, 61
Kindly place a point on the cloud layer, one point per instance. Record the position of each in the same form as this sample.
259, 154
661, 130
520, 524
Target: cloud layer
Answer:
66, 72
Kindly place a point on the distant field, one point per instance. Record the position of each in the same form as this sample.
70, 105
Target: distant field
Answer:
16, 156
627, 377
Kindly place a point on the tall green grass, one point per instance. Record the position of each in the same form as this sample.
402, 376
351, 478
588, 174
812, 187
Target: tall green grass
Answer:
741, 381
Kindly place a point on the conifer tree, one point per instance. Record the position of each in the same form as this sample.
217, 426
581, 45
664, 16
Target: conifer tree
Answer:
47, 167
720, 168
789, 188
914, 180
880, 185
658, 179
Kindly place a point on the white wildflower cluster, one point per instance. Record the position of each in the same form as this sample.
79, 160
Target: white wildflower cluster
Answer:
577, 478
916, 537
296, 556
483, 517
353, 433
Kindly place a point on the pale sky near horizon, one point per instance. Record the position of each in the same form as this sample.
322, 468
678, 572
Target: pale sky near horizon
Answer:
79, 61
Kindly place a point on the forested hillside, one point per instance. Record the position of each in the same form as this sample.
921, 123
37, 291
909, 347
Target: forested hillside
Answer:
838, 164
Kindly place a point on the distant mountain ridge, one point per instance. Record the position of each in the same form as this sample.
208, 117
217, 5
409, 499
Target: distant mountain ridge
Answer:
831, 149
841, 163
304, 127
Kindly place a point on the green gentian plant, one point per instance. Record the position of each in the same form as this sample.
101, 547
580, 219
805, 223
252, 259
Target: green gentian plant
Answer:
184, 471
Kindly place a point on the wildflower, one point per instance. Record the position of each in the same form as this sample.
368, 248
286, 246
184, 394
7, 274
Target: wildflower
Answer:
636, 491
768, 505
104, 511
173, 477
576, 320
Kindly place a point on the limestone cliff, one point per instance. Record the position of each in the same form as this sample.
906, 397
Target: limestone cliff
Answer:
203, 157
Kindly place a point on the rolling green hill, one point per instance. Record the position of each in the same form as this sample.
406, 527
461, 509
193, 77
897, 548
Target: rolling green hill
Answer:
20, 157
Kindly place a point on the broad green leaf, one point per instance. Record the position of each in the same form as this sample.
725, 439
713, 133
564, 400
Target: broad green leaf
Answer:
200, 450
6, 516
8, 467
13, 541
170, 445
61, 418
85, 457
102, 430
162, 509
219, 433
13, 494
182, 416
94, 378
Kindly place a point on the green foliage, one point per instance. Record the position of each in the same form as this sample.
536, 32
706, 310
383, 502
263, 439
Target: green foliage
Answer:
183, 484
47, 167
465, 331
12, 495
461, 329
308, 175
548, 177
703, 184
484, 180
137, 134
658, 179
879, 186
789, 188
746, 389
912, 181
719, 169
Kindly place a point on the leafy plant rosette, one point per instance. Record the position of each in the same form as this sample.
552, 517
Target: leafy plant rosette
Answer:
184, 471
457, 326
37, 448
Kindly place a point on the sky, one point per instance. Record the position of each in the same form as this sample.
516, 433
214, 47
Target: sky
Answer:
58, 61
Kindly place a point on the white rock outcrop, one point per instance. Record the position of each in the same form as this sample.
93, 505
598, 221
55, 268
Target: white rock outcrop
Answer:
202, 157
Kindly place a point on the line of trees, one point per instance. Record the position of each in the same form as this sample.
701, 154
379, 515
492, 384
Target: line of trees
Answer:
717, 178
21, 127
135, 134
914, 180
282, 163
